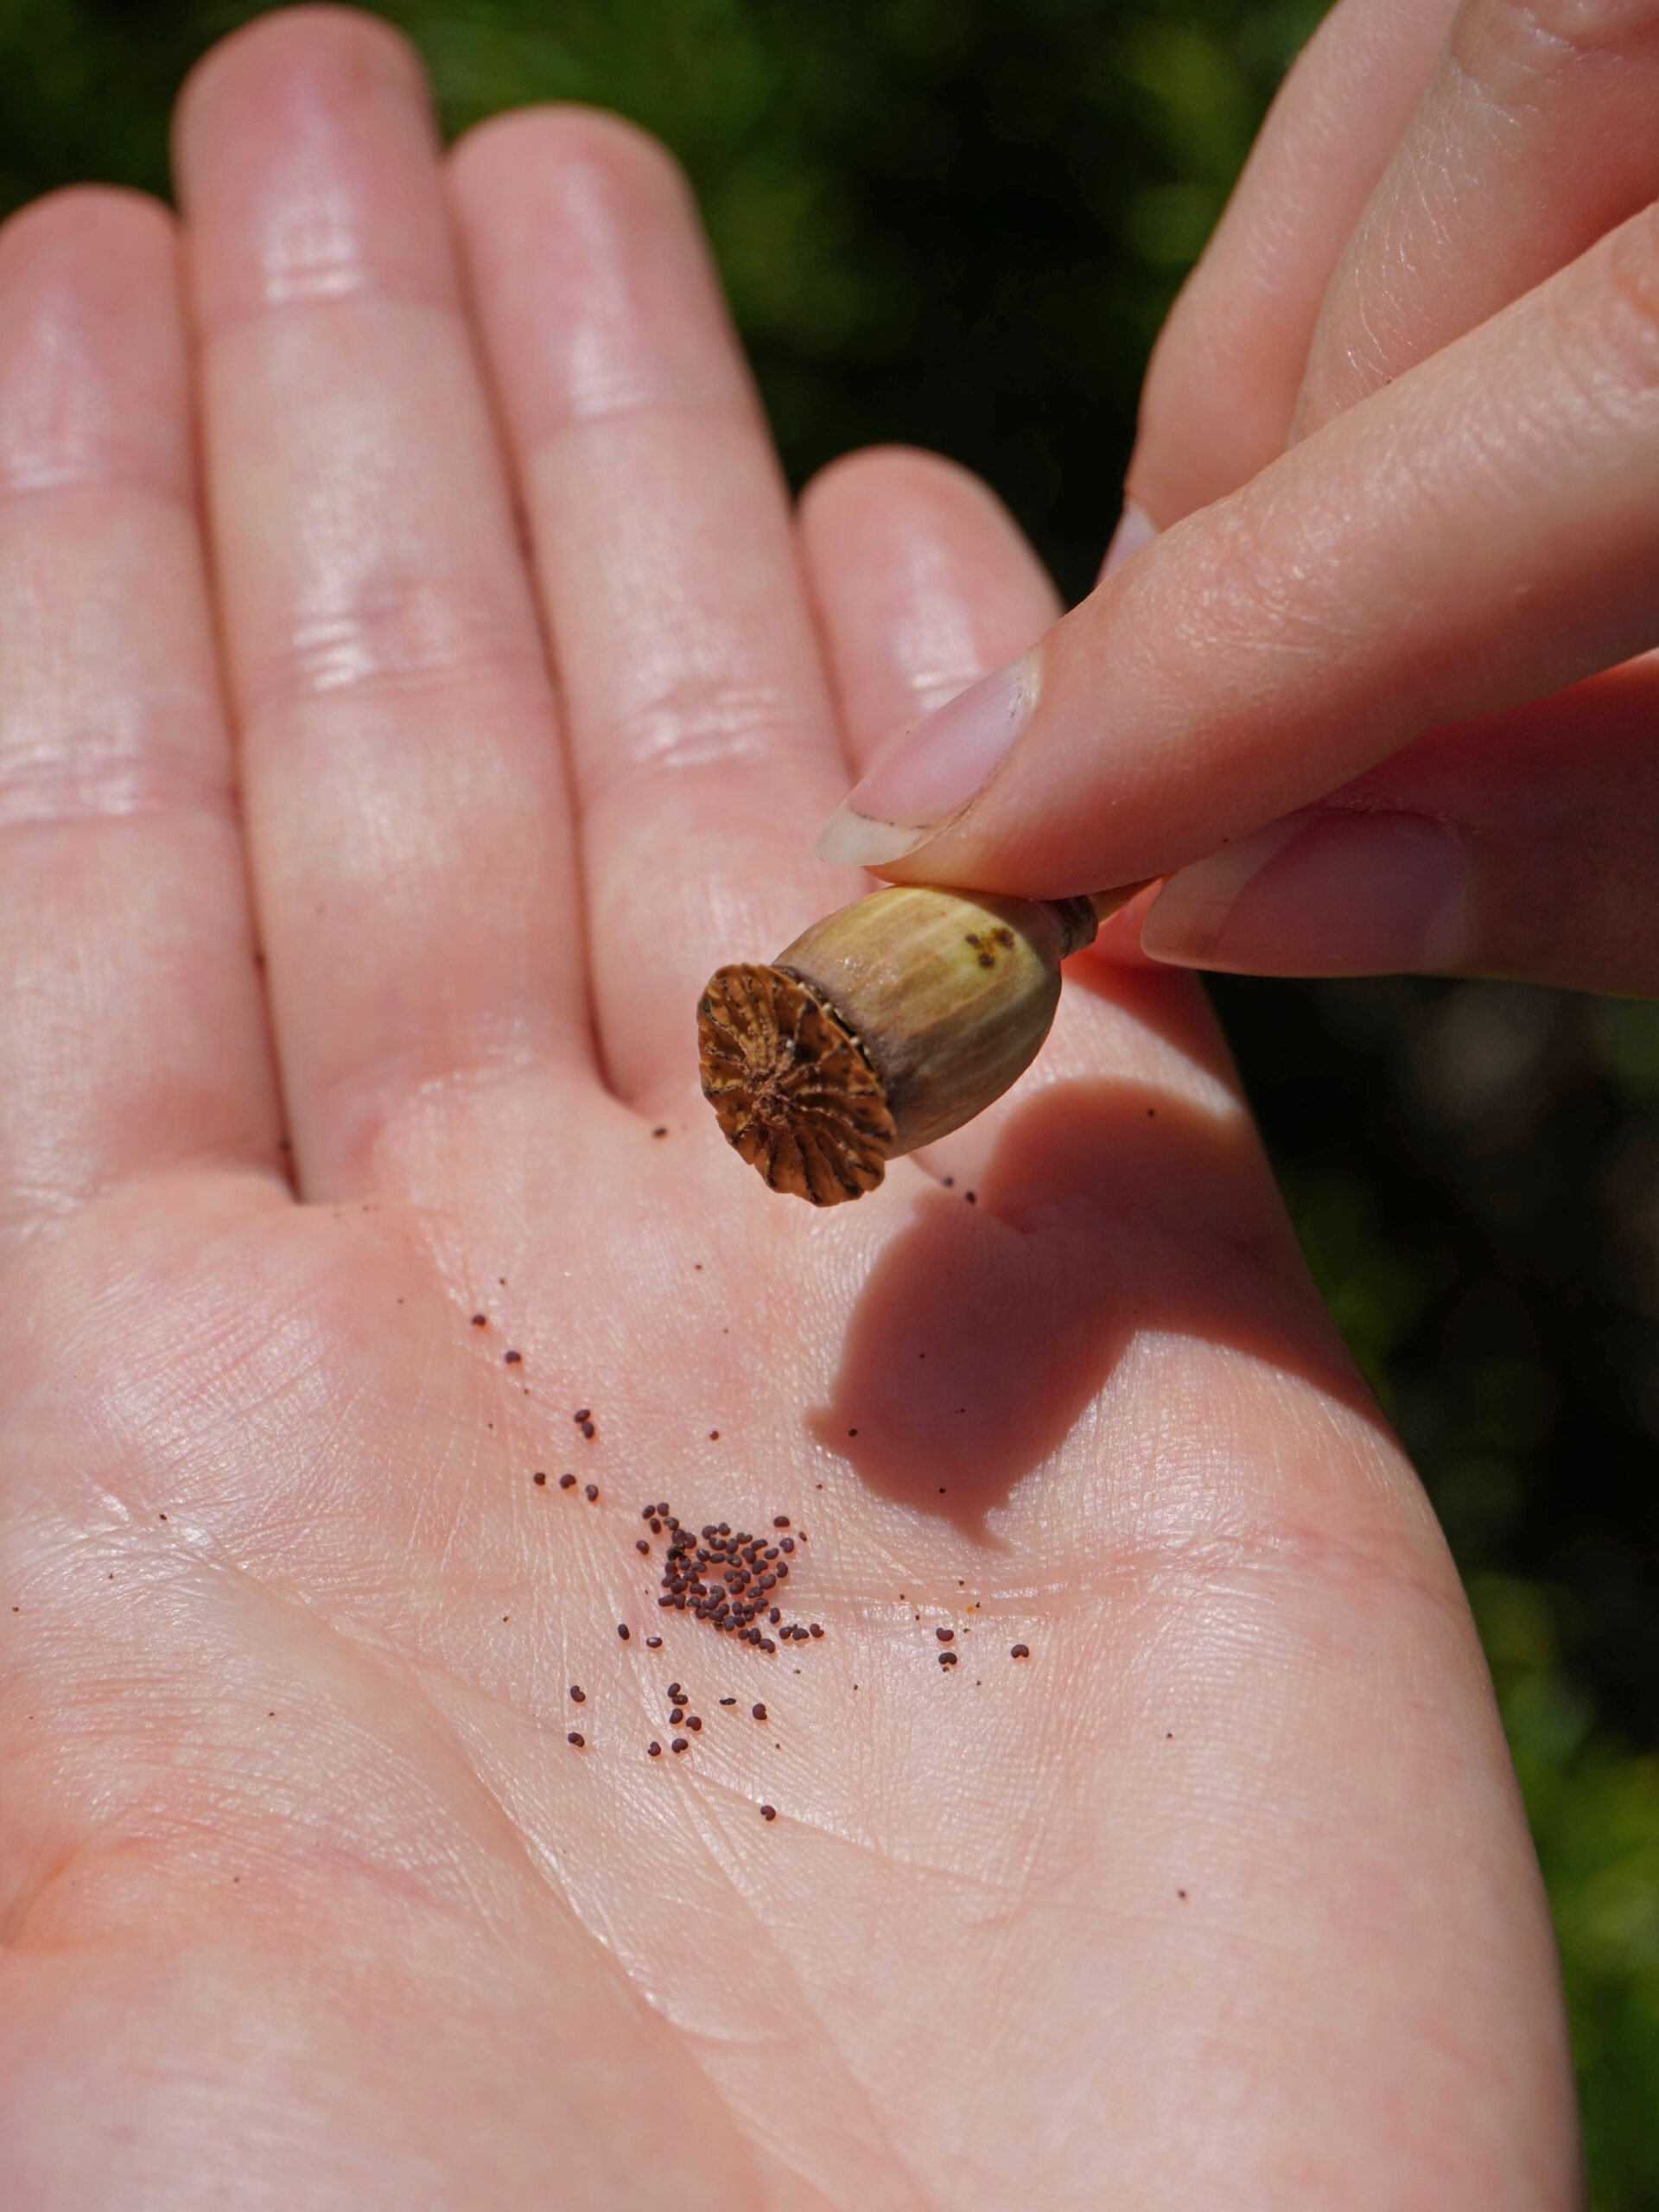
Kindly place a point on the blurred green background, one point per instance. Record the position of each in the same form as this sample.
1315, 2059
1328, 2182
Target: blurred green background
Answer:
960, 222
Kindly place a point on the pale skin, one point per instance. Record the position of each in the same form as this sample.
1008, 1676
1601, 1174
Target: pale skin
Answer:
1223, 1897
1379, 695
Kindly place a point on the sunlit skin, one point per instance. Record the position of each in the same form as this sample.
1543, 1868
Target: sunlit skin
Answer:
1400, 442
1223, 1896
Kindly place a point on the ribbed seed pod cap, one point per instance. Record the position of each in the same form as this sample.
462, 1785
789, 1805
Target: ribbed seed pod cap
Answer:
880, 1029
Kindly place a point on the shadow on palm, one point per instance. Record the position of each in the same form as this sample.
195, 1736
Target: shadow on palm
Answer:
1108, 1208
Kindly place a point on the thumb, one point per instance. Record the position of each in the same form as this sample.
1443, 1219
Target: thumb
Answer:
1481, 532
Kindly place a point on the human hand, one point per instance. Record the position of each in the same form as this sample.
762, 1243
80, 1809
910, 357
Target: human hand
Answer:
1401, 441
1223, 1896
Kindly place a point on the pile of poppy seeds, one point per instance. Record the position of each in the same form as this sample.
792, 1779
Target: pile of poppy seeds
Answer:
729, 1578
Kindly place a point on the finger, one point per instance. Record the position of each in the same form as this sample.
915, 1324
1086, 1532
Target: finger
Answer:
1221, 385
409, 830
1534, 136
701, 735
1484, 530
132, 1029
1520, 846
921, 582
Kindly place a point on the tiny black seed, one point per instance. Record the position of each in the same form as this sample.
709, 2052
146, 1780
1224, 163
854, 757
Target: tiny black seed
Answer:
947, 1658
653, 1750
679, 1743
512, 1358
653, 1644
622, 1630
1020, 1651
572, 1737
567, 1481
945, 1635
540, 1480
578, 1695
480, 1321
591, 1492
640, 1545
759, 1711
770, 1812
582, 1413
728, 1701
694, 1724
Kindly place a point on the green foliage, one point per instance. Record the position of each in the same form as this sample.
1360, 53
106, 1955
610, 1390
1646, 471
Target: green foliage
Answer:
961, 222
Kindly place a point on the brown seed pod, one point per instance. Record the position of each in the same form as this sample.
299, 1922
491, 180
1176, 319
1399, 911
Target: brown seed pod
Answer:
882, 1028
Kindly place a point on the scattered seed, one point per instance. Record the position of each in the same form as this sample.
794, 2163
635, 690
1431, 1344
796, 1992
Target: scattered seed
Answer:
759, 1711
815, 1630
728, 1701
653, 1750
1020, 1651
679, 1743
947, 1658
694, 1724
659, 1133
640, 1545
540, 1478
714, 1436
768, 1812
567, 1481
512, 1358
675, 1692
623, 1630
587, 1427
578, 1695
591, 1492
676, 1715
481, 1321
653, 1644
972, 1197
582, 1413
780, 1521
945, 1635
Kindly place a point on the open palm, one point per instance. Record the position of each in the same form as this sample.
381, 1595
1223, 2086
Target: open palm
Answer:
1221, 1897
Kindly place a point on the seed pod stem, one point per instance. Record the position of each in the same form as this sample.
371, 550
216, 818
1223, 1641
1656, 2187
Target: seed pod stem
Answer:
883, 1027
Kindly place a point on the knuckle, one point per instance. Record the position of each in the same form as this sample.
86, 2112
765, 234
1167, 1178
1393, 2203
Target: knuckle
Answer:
1506, 51
1612, 340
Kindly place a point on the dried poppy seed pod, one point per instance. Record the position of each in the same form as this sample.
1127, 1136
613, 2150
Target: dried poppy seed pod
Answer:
882, 1028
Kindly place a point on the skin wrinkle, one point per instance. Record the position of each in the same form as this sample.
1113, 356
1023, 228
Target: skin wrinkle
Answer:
789, 1998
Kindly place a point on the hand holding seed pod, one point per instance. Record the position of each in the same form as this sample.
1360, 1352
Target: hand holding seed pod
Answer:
882, 1028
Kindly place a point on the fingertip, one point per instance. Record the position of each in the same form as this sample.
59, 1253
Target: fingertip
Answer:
92, 373
279, 58
305, 151
596, 290
514, 150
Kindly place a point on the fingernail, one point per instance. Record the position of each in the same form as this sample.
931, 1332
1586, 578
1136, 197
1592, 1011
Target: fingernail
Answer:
925, 779
1136, 528
1320, 894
